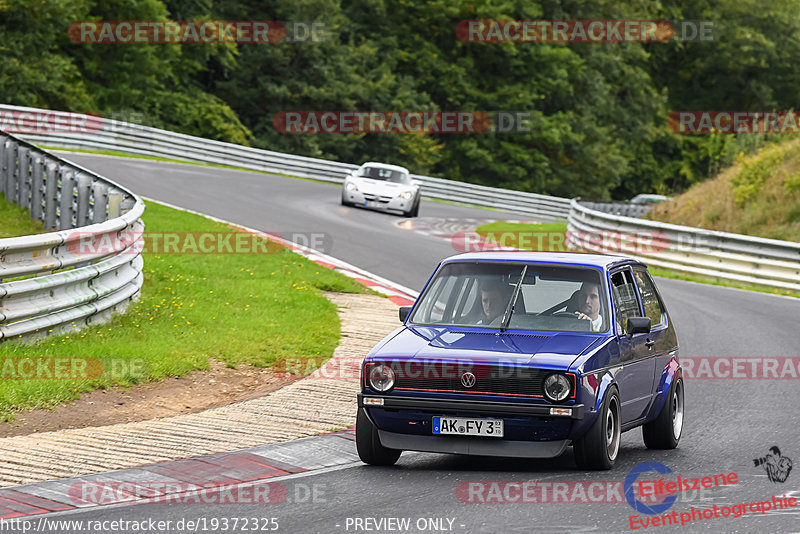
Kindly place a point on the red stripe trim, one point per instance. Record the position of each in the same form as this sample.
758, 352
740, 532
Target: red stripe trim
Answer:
469, 392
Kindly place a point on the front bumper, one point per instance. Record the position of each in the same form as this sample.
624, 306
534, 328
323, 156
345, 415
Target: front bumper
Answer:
483, 408
376, 202
470, 445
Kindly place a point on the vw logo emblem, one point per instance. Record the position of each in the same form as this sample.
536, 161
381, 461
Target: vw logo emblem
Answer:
468, 379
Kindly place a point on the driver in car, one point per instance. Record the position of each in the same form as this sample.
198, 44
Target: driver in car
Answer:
589, 305
494, 299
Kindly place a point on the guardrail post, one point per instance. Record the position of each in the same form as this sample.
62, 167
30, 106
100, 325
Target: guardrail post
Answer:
36, 187
3, 173
66, 205
127, 205
115, 198
50, 196
100, 198
83, 183
24, 177
10, 188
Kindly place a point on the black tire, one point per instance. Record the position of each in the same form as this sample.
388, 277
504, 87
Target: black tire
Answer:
598, 449
415, 213
369, 446
664, 432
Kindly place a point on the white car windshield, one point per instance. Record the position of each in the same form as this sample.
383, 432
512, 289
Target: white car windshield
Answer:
387, 175
550, 297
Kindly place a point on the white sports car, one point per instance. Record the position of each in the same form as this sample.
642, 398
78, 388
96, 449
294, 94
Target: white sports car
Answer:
384, 187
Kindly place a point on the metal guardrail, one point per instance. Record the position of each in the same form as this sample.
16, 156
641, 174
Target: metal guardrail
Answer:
719, 255
107, 134
626, 209
80, 274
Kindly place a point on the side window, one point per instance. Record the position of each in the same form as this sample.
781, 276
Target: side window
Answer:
466, 304
442, 288
652, 307
626, 304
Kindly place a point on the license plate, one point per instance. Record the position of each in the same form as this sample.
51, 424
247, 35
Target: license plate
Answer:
462, 426
371, 204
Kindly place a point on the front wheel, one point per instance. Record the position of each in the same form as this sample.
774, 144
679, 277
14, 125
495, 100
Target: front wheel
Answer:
413, 211
664, 432
598, 449
369, 445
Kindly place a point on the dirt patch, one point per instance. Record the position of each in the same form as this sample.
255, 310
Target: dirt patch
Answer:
194, 392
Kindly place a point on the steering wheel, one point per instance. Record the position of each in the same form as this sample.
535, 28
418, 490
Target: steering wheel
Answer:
566, 314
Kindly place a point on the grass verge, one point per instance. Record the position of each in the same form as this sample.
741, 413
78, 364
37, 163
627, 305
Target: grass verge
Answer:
552, 237
16, 221
235, 308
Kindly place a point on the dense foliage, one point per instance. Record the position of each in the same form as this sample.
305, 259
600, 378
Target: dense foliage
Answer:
599, 109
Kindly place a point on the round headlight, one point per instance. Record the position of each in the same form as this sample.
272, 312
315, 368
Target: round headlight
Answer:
381, 378
407, 194
350, 186
556, 387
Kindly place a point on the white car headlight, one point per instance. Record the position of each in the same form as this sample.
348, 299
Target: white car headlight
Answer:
406, 194
350, 186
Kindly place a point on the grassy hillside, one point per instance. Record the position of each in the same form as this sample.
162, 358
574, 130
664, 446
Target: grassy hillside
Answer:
759, 195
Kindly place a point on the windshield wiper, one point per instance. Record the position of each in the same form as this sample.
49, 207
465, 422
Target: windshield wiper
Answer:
512, 302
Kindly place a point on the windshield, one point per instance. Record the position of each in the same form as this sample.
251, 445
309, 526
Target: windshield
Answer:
387, 175
479, 294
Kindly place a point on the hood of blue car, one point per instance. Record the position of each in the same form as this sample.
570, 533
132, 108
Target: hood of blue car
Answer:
553, 350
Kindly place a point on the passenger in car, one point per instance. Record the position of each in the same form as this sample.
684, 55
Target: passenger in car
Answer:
589, 305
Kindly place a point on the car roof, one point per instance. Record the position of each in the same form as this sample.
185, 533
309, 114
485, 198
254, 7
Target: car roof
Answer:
600, 261
385, 166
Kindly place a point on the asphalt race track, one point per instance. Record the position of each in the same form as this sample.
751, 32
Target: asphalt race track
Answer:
728, 422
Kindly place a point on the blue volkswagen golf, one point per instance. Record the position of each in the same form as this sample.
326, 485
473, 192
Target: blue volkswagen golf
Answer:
522, 354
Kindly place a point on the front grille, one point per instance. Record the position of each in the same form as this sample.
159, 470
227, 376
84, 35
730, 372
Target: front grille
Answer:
492, 379
371, 197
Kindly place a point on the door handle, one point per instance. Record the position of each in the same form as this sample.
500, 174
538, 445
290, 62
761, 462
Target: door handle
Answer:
649, 343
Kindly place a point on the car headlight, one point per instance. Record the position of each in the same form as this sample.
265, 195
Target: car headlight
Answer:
406, 194
350, 186
556, 387
381, 378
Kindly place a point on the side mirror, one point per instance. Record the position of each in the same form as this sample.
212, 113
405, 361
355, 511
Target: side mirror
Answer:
638, 325
417, 183
404, 311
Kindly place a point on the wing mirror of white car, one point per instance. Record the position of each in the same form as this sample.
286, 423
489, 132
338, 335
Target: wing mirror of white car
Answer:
417, 183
